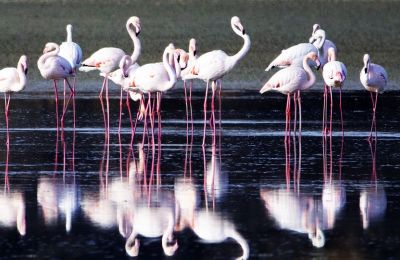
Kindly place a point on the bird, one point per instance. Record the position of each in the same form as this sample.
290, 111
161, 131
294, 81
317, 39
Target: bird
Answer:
54, 67
292, 56
318, 39
192, 56
334, 73
13, 80
213, 65
290, 80
374, 78
72, 52
156, 78
107, 60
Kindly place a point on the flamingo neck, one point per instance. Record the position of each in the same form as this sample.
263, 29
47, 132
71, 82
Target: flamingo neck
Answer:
22, 77
243, 51
136, 44
321, 39
171, 73
331, 54
69, 33
310, 74
42, 60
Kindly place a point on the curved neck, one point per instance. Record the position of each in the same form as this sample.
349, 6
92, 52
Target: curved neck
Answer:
310, 74
136, 44
171, 73
331, 54
22, 76
42, 59
243, 51
69, 33
321, 40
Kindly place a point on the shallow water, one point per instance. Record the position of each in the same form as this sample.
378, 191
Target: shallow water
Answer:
85, 205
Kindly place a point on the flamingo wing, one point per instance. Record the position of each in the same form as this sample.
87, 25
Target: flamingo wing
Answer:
286, 80
292, 55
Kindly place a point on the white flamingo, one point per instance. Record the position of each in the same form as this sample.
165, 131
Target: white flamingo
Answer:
13, 80
156, 78
107, 60
334, 73
54, 67
290, 80
318, 39
213, 65
374, 78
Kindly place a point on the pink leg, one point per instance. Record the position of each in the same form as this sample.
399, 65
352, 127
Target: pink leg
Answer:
56, 99
145, 122
213, 113
287, 117
331, 115
151, 112
108, 110
299, 104
73, 103
7, 98
187, 113
205, 115
120, 112
341, 111
324, 112
373, 114
190, 105
102, 104
159, 97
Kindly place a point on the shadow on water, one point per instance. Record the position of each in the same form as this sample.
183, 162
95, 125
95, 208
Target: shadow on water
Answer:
251, 195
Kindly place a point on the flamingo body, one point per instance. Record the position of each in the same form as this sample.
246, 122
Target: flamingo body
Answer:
105, 60
70, 50
334, 73
292, 56
373, 77
14, 79
52, 66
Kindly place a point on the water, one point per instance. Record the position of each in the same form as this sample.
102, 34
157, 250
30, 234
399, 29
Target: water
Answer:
86, 206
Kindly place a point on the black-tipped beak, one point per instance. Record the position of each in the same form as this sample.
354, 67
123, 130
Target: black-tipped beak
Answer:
194, 53
244, 31
26, 71
366, 70
137, 33
319, 66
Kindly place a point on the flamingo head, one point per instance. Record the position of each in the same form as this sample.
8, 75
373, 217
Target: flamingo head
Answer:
124, 64
314, 56
117, 76
69, 27
315, 28
24, 63
237, 25
182, 57
133, 24
192, 47
50, 46
367, 60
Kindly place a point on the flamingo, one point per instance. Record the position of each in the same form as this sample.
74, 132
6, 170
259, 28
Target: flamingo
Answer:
13, 80
318, 39
334, 73
213, 65
72, 52
107, 60
192, 51
54, 67
156, 78
374, 78
290, 80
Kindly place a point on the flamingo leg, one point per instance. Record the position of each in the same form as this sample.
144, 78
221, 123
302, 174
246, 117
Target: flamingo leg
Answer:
205, 114
299, 104
213, 113
145, 122
373, 114
190, 105
120, 112
187, 112
56, 99
220, 105
108, 110
102, 104
73, 103
7, 98
324, 112
287, 117
341, 111
331, 114
159, 97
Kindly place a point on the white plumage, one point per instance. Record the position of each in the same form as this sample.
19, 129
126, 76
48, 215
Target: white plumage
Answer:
70, 50
373, 77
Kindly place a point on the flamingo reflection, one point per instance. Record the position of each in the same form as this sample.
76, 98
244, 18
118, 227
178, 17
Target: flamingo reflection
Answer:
57, 197
373, 199
12, 208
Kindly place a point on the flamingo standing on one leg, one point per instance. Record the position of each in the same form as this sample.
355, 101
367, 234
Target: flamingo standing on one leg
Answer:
13, 80
213, 65
334, 74
374, 78
72, 52
54, 67
107, 60
290, 80
156, 78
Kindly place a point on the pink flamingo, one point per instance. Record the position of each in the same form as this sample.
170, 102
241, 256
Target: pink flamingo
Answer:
72, 52
13, 80
156, 78
213, 65
107, 60
54, 67
334, 73
290, 80
374, 78
192, 51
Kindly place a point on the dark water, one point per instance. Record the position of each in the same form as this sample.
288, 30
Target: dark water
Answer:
87, 204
